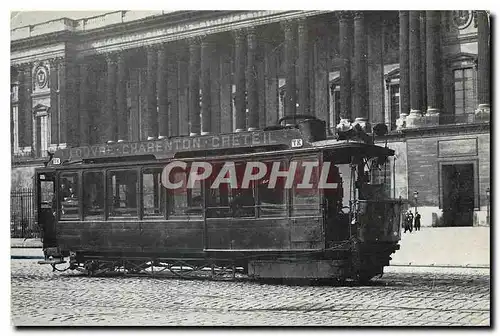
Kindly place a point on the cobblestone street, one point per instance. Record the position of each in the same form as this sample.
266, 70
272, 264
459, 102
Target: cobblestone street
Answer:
404, 296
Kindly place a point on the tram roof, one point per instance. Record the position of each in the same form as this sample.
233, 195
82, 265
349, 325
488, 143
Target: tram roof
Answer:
283, 140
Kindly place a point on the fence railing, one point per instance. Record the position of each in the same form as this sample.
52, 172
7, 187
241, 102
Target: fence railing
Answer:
23, 223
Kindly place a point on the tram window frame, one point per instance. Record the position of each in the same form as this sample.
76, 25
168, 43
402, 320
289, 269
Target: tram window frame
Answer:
236, 197
102, 210
304, 209
189, 211
279, 210
162, 202
77, 194
126, 212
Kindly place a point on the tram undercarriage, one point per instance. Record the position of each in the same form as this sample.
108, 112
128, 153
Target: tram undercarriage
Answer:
361, 265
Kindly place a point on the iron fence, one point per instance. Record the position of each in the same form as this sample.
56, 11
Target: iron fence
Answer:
23, 223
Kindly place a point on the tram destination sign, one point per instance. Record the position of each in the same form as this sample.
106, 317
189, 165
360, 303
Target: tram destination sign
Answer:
166, 148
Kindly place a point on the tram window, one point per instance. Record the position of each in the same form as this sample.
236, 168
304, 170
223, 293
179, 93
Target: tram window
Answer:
228, 200
184, 201
47, 194
122, 193
219, 198
338, 199
272, 199
153, 203
305, 195
93, 202
379, 183
68, 195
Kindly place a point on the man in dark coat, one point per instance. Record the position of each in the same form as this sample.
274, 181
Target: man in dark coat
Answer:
417, 221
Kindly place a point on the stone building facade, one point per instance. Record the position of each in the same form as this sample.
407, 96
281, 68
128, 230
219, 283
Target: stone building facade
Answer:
132, 75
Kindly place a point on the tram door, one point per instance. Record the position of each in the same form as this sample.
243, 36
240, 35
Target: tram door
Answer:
337, 202
46, 207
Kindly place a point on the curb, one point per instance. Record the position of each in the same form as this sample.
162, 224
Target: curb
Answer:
442, 265
26, 247
13, 257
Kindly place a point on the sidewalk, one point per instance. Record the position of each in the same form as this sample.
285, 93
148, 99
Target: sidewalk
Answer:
26, 243
451, 246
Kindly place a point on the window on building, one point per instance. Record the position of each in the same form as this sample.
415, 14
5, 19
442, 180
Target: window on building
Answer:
394, 103
68, 196
93, 193
153, 194
305, 194
122, 193
334, 117
464, 89
42, 133
14, 100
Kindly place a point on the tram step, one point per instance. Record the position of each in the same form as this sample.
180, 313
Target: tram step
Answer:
51, 262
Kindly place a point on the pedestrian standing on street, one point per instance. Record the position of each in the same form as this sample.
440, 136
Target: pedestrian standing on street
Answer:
417, 221
406, 221
411, 221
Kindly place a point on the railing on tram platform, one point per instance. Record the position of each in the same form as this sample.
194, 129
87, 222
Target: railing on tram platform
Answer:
23, 222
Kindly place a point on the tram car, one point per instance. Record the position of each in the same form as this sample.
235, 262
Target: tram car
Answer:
106, 207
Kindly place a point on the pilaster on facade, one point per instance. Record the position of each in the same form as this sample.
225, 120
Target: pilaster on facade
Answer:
483, 65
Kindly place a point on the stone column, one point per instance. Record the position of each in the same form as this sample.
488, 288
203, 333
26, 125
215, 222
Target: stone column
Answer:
404, 69
183, 91
121, 97
84, 104
110, 136
360, 77
423, 59
483, 64
239, 79
414, 119
206, 89
194, 87
152, 129
303, 67
162, 92
173, 93
433, 62
345, 38
251, 76
290, 28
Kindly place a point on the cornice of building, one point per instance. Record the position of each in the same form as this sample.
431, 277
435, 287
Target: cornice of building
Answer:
140, 27
438, 130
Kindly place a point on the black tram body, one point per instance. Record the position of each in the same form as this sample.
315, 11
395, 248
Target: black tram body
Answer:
103, 207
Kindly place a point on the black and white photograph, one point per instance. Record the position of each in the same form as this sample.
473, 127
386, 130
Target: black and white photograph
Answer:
250, 168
